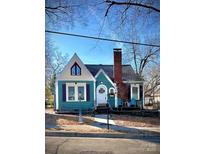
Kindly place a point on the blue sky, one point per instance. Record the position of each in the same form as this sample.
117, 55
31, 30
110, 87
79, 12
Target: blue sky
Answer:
90, 51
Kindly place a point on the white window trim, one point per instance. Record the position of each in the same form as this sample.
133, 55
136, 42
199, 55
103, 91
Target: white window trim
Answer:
76, 91
81, 85
138, 86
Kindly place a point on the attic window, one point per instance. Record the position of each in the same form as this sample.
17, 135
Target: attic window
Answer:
75, 69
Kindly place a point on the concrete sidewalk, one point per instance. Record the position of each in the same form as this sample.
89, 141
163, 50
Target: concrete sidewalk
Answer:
102, 118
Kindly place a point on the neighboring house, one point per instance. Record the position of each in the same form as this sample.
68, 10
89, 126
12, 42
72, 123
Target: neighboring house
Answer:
152, 98
89, 86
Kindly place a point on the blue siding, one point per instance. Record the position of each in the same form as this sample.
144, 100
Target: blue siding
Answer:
72, 106
102, 79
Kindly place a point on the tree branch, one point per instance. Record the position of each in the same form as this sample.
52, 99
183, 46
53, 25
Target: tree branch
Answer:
55, 8
111, 3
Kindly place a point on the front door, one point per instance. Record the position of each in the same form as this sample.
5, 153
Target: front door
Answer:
101, 95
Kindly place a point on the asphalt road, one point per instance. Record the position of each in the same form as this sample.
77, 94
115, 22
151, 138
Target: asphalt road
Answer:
85, 145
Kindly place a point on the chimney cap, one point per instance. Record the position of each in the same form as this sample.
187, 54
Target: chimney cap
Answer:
117, 49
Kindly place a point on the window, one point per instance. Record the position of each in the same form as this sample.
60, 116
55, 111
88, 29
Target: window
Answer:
112, 91
75, 92
75, 69
81, 93
135, 91
101, 91
71, 93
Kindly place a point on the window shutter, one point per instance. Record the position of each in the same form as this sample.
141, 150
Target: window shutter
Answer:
88, 92
129, 92
64, 92
141, 92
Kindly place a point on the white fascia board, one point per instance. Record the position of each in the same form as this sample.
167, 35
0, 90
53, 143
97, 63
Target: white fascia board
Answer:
102, 71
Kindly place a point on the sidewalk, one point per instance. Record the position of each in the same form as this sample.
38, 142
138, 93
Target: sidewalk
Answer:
101, 122
102, 118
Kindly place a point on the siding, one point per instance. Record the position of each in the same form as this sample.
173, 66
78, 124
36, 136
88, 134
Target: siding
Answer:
72, 106
101, 78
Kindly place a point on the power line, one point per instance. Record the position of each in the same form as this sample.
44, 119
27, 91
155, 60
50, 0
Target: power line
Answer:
100, 38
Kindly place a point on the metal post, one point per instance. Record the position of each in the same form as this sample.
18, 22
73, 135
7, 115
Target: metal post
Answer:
107, 116
80, 114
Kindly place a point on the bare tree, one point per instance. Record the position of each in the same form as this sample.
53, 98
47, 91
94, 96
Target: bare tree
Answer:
153, 80
148, 4
64, 13
55, 61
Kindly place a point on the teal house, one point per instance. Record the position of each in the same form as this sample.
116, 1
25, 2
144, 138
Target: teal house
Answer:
89, 86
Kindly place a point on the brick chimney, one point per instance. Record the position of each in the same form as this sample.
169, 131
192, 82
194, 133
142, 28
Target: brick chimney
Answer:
121, 87
117, 65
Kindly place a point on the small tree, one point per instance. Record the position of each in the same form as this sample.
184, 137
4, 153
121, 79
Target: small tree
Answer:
48, 96
55, 62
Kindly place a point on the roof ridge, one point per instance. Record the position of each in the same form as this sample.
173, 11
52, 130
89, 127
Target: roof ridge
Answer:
108, 64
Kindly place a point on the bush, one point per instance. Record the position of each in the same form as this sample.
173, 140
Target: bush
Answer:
49, 98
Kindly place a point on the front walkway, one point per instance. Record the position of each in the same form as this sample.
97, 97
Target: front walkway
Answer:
100, 121
102, 118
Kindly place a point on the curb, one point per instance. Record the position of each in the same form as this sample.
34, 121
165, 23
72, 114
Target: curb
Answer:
97, 135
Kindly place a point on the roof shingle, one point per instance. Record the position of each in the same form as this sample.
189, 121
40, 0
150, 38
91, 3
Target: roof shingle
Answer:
128, 73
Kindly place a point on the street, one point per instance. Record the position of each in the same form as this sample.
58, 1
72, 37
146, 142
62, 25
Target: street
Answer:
86, 145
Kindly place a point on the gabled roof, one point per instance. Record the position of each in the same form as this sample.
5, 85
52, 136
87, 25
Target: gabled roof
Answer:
108, 78
128, 73
65, 74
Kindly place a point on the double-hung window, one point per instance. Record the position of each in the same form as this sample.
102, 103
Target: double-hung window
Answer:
71, 93
75, 92
81, 94
135, 92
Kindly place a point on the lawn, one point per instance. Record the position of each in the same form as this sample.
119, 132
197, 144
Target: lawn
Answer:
136, 121
69, 122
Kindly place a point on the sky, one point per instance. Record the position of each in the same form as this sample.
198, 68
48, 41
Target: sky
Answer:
90, 51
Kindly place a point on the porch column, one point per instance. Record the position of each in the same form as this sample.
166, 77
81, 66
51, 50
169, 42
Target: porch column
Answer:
142, 95
56, 96
94, 95
115, 95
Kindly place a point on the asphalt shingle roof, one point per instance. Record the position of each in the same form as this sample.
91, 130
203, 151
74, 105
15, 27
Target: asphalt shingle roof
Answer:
128, 73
